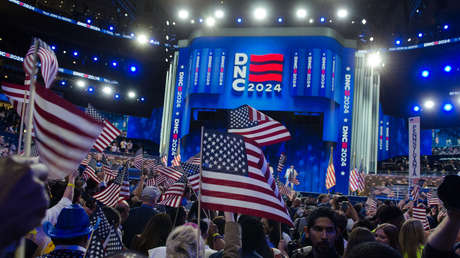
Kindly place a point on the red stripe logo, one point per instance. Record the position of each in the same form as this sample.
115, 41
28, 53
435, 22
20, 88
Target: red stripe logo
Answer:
265, 68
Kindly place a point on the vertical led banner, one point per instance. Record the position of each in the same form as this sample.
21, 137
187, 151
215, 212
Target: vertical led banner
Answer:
309, 77
209, 68
222, 69
323, 78
414, 147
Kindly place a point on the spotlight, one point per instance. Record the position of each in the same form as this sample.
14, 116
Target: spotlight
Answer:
447, 68
363, 21
371, 39
260, 13
192, 21
416, 108
116, 96
280, 20
398, 42
81, 83
107, 90
132, 35
201, 20
322, 20
425, 73
142, 99
301, 13
90, 89
75, 53
420, 35
95, 59
311, 20
448, 107
133, 68
409, 40
63, 83
239, 20
183, 14
374, 59
210, 22
131, 94
446, 27
342, 13
88, 21
64, 52
111, 28
142, 39
219, 14
152, 41
429, 104
53, 47
114, 64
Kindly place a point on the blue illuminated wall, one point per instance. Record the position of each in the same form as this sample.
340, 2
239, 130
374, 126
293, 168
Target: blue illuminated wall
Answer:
146, 128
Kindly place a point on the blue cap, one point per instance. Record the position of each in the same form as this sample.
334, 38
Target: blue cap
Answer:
72, 222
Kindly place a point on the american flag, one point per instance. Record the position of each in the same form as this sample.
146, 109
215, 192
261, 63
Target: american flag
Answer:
172, 172
193, 175
109, 131
150, 182
281, 162
195, 159
236, 178
433, 200
354, 180
64, 133
284, 190
255, 125
415, 192
164, 160
173, 196
105, 240
361, 182
139, 159
177, 158
151, 163
16, 92
109, 173
330, 175
48, 60
371, 206
419, 213
164, 181
90, 171
86, 161
116, 191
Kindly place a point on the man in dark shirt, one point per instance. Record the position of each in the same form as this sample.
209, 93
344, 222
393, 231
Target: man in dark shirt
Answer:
139, 216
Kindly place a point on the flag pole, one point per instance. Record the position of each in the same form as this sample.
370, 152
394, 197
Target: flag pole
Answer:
30, 109
21, 126
199, 196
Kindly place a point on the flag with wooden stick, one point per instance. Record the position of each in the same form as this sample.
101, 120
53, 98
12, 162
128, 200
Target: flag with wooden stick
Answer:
330, 175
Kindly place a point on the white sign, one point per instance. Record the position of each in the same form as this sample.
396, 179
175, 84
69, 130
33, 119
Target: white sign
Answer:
414, 147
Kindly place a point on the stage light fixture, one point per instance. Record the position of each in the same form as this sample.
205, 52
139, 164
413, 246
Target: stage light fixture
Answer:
239, 20
131, 94
260, 13
398, 42
210, 22
114, 64
107, 90
447, 68
142, 99
64, 52
429, 104
53, 47
201, 20
448, 107
446, 26
420, 35
311, 20
152, 41
416, 108
409, 40
363, 21
183, 14
63, 83
301, 13
132, 35
425, 73
280, 19
371, 39
219, 14
95, 58
90, 89
75, 53
192, 21
322, 20
116, 96
88, 21
81, 83
342, 13
133, 68
142, 39
374, 59
111, 28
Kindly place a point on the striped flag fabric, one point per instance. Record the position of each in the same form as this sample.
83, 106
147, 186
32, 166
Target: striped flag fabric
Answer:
193, 174
48, 60
90, 171
361, 182
283, 189
64, 133
16, 92
113, 193
195, 159
354, 180
109, 132
109, 174
415, 192
173, 196
255, 125
164, 181
281, 162
433, 200
238, 179
176, 161
150, 182
171, 172
371, 207
419, 213
330, 174
124, 191
139, 159
86, 161
164, 160
151, 163
266, 68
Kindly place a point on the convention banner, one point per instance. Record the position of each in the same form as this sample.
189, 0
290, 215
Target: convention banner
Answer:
414, 148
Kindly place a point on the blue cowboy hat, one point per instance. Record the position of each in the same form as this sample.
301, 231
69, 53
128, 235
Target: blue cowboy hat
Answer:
72, 222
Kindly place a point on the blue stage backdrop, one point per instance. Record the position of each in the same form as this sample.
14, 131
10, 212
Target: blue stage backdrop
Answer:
146, 128
290, 73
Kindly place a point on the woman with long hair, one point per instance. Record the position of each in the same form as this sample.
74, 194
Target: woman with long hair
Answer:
357, 236
412, 239
388, 234
155, 234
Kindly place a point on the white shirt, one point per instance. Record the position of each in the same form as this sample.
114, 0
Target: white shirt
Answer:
158, 252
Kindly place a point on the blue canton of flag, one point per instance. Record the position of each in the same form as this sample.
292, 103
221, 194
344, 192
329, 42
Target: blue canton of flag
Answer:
193, 174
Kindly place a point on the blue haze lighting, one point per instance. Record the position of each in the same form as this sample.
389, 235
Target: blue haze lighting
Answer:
425, 73
322, 20
90, 89
446, 26
280, 19
75, 53
420, 35
416, 108
114, 64
447, 68
133, 68
448, 107
116, 96
239, 20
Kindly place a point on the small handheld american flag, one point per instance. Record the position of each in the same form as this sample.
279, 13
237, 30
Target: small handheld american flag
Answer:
48, 60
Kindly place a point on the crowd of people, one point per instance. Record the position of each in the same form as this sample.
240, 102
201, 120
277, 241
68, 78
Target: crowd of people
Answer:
452, 150
324, 225
435, 165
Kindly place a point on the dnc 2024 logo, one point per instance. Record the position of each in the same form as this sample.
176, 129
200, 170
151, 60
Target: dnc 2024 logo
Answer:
265, 72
